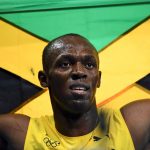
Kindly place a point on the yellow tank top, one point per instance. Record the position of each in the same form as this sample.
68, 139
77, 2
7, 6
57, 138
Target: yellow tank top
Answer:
42, 135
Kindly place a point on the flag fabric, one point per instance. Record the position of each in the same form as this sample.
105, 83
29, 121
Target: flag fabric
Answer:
119, 30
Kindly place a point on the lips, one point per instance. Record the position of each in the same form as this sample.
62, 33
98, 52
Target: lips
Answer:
79, 88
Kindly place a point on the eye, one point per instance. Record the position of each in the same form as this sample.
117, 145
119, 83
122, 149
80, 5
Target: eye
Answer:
89, 65
65, 65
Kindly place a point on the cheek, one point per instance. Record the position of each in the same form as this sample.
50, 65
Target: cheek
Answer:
58, 80
95, 79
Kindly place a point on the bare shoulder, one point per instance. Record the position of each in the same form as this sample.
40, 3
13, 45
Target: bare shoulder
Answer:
13, 120
137, 118
13, 128
137, 109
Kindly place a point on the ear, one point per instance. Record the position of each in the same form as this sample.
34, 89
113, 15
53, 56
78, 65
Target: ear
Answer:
43, 79
99, 79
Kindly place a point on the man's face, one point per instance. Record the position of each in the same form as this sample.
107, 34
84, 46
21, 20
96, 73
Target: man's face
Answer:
73, 76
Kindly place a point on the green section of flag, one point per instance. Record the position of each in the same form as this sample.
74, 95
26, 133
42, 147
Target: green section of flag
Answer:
30, 5
101, 25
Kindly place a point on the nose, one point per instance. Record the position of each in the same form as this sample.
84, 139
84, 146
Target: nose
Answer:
78, 72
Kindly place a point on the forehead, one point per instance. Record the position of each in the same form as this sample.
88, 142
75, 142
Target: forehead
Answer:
74, 45
68, 45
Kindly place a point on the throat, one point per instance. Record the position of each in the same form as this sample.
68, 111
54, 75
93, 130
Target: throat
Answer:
76, 125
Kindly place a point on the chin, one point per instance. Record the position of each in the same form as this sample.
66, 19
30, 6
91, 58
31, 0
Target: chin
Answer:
75, 103
79, 106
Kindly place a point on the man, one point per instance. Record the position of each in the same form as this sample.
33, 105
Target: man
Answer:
71, 73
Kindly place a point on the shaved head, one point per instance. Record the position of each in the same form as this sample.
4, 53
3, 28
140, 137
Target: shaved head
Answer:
71, 61
60, 44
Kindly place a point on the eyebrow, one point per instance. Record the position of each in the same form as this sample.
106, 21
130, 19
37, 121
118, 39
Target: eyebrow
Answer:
89, 57
71, 58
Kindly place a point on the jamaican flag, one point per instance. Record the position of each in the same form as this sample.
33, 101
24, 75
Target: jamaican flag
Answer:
119, 30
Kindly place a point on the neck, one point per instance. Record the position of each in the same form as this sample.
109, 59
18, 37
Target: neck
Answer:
71, 125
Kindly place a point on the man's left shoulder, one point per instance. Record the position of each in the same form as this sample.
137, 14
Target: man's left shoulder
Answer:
137, 117
136, 111
138, 107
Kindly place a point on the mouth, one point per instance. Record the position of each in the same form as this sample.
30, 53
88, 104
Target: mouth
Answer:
79, 88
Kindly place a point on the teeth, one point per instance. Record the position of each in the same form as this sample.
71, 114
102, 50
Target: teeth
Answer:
79, 88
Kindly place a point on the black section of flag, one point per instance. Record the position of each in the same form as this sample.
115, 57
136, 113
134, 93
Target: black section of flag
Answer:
14, 90
145, 82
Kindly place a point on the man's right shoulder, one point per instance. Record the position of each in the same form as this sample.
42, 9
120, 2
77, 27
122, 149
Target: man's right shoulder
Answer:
12, 126
13, 120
